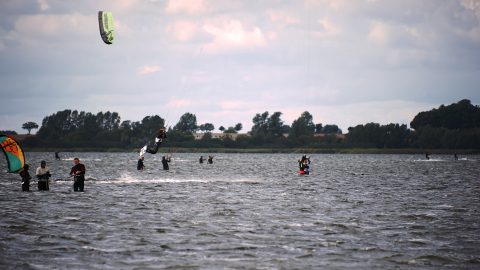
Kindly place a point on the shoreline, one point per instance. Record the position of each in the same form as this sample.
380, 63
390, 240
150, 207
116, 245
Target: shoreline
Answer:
299, 150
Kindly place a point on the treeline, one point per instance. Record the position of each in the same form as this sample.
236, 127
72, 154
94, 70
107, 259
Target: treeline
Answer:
456, 126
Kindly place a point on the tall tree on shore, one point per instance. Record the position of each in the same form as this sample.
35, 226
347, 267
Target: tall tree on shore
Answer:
187, 123
303, 126
29, 126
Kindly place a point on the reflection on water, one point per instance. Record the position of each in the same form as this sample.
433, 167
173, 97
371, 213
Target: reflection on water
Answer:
245, 211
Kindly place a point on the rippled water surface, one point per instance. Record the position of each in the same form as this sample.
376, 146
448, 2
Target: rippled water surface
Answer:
245, 211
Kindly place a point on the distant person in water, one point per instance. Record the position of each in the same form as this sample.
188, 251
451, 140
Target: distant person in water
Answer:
427, 156
43, 174
140, 165
25, 178
210, 159
200, 160
165, 162
78, 173
57, 157
303, 165
455, 156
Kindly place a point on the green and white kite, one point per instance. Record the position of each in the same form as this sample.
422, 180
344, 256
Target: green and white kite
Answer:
105, 21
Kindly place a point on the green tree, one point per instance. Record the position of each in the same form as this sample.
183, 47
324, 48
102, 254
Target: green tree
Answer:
303, 126
331, 129
458, 115
260, 124
221, 128
209, 127
275, 125
29, 126
187, 123
238, 127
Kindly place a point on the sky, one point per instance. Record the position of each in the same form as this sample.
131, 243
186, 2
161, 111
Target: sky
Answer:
347, 62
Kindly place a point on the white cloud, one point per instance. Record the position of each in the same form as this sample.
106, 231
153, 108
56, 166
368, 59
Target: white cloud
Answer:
231, 34
282, 17
43, 5
148, 70
379, 33
187, 6
53, 27
177, 103
183, 30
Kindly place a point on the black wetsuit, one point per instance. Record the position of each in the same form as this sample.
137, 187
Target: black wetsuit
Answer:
200, 160
165, 163
25, 179
43, 181
79, 178
153, 149
57, 157
210, 160
140, 165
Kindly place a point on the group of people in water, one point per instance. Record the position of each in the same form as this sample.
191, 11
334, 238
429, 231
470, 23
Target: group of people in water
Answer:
168, 159
43, 175
78, 170
427, 156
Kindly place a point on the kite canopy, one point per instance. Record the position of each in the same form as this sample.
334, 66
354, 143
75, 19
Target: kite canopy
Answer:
105, 21
13, 152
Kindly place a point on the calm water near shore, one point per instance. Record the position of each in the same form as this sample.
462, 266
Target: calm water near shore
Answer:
245, 211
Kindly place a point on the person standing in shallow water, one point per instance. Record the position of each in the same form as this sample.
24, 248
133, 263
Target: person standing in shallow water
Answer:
140, 165
78, 173
165, 162
43, 174
25, 178
200, 160
57, 157
210, 159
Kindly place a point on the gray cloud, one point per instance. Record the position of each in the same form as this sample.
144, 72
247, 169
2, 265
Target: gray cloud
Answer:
227, 60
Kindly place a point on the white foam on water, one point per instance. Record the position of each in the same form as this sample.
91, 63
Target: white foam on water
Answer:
81, 159
429, 160
131, 179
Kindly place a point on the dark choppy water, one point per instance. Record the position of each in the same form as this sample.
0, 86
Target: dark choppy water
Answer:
246, 211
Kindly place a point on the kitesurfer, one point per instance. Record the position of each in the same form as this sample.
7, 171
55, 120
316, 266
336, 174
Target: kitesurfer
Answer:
140, 165
153, 149
43, 174
200, 159
165, 162
78, 173
427, 156
25, 178
455, 156
303, 165
57, 157
210, 159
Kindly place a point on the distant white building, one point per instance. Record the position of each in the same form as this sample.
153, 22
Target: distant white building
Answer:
218, 135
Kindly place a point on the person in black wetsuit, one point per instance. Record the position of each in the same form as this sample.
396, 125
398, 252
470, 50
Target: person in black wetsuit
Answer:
78, 173
200, 160
153, 149
165, 162
140, 165
210, 159
455, 156
427, 156
25, 178
57, 157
